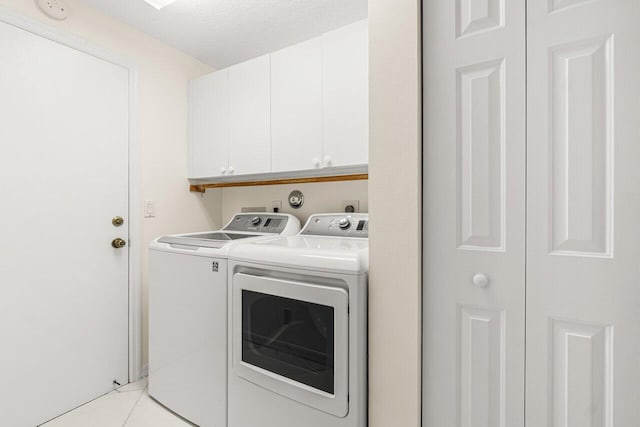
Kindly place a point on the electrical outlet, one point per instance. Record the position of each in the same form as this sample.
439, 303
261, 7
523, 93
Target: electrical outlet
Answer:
276, 206
351, 205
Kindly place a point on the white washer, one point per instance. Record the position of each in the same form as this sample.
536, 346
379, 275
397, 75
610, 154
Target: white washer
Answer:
298, 327
188, 315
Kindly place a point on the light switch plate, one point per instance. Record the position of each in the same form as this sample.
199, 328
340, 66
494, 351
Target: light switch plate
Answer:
149, 209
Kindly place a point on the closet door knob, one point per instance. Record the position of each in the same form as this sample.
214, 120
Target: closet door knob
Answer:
480, 280
316, 162
223, 171
230, 170
327, 160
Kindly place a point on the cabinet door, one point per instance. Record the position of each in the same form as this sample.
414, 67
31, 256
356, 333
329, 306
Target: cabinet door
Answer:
345, 95
209, 125
296, 107
583, 251
474, 198
250, 117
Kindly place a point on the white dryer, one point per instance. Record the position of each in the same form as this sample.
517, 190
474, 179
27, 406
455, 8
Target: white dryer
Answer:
298, 327
188, 315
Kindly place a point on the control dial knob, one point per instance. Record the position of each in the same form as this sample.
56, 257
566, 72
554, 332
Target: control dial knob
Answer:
256, 220
344, 223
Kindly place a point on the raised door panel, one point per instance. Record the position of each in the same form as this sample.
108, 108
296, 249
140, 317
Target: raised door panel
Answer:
474, 198
345, 95
473, 17
583, 205
480, 161
296, 107
250, 117
209, 125
581, 366
582, 144
481, 367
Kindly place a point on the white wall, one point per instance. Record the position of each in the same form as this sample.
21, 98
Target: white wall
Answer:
395, 213
161, 126
318, 197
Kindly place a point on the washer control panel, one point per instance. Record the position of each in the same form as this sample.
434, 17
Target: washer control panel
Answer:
340, 224
260, 222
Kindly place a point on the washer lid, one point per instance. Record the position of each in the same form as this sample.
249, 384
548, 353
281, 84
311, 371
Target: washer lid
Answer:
319, 253
215, 239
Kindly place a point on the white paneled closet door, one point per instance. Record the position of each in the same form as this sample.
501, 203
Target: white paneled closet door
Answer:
474, 234
583, 242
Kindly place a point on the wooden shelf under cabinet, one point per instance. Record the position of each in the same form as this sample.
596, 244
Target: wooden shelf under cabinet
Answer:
201, 185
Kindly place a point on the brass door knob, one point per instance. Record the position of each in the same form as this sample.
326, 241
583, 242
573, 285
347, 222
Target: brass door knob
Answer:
117, 221
118, 243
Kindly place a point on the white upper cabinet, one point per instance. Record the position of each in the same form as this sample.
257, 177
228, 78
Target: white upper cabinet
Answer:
249, 117
345, 95
302, 108
296, 107
209, 129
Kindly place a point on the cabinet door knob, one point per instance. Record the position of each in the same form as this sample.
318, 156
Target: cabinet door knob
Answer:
316, 162
480, 280
223, 171
327, 160
230, 170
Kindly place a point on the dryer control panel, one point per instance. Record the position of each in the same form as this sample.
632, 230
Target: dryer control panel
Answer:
340, 225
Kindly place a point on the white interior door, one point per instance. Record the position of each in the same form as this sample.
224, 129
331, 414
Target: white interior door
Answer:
63, 177
474, 201
583, 252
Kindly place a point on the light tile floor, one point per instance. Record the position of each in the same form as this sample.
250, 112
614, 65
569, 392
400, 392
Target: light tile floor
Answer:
128, 406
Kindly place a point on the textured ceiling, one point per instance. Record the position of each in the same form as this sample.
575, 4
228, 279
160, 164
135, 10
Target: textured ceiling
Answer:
226, 32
